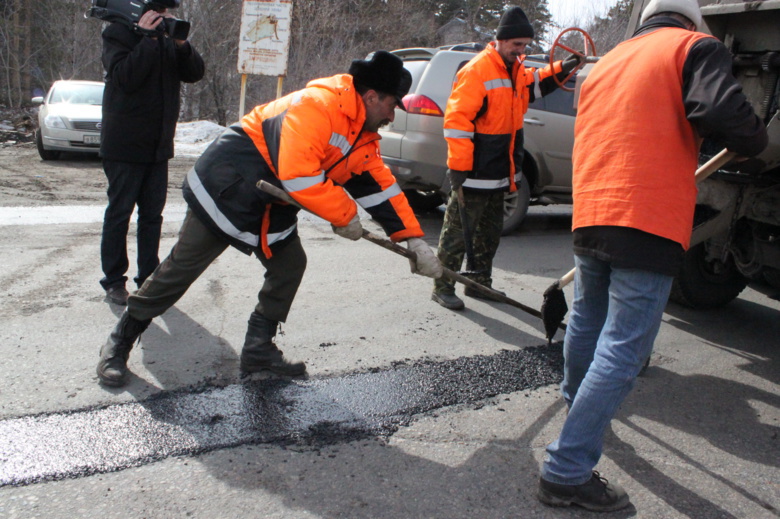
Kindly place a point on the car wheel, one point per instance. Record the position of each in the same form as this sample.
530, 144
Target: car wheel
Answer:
423, 200
44, 153
706, 283
516, 207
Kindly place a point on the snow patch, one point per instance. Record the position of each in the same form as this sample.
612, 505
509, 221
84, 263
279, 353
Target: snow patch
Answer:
193, 138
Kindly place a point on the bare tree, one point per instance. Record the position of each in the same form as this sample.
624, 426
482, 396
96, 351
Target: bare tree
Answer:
215, 33
610, 29
45, 40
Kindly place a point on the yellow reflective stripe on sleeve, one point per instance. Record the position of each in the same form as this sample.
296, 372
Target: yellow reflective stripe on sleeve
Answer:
537, 86
299, 184
457, 134
377, 198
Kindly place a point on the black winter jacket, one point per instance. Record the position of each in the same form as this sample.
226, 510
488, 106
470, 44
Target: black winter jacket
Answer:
141, 99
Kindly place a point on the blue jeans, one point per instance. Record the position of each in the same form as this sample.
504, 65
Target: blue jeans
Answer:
131, 184
615, 317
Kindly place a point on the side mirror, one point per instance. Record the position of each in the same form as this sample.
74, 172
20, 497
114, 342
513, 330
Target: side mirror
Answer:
37, 100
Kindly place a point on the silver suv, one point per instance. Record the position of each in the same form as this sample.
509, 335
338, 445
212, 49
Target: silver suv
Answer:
414, 148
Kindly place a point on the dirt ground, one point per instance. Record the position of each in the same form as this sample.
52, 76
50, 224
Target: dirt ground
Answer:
75, 179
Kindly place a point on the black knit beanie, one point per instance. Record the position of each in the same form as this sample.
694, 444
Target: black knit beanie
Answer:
514, 24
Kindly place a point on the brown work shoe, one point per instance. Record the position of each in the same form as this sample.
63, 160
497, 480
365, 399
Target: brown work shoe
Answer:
597, 494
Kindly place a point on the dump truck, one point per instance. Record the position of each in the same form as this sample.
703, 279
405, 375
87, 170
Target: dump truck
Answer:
736, 228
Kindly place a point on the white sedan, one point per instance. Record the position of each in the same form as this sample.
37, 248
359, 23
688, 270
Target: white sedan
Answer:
69, 118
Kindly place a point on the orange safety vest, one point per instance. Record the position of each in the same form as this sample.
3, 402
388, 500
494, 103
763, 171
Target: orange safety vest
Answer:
635, 153
484, 119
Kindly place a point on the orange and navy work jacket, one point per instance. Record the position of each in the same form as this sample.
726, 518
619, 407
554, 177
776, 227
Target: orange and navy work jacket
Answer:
312, 144
635, 152
483, 122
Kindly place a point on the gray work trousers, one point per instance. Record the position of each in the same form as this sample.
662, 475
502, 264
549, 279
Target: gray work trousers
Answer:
196, 248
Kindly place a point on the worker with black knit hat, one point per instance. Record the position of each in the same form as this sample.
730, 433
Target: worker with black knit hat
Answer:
483, 126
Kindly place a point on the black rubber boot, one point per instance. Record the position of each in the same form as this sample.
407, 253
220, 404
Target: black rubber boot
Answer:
112, 368
260, 353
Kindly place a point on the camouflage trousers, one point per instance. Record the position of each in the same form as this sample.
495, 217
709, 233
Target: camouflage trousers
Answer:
485, 212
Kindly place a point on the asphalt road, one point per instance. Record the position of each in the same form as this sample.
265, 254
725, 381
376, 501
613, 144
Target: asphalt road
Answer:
386, 425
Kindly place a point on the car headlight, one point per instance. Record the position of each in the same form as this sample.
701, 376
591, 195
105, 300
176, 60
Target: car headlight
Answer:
54, 121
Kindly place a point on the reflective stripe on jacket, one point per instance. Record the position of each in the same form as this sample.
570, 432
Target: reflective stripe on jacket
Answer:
310, 143
635, 152
483, 122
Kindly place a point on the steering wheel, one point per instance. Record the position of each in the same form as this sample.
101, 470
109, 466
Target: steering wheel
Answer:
590, 50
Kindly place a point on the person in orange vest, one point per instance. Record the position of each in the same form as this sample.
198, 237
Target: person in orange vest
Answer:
643, 112
483, 126
321, 146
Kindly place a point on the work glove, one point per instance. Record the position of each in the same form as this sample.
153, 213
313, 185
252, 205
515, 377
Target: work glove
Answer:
570, 63
457, 178
427, 264
352, 231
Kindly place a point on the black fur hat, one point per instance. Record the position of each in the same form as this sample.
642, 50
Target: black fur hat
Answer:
385, 73
514, 24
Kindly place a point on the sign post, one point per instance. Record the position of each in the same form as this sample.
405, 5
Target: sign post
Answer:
264, 41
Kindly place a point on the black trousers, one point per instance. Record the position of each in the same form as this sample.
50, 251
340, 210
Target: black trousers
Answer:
130, 185
196, 248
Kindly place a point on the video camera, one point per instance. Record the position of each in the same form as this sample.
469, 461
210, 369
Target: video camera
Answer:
129, 12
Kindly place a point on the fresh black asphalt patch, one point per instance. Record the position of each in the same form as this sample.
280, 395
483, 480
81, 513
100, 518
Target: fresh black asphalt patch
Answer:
274, 411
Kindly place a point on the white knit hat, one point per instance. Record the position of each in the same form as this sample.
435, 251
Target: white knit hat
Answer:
688, 8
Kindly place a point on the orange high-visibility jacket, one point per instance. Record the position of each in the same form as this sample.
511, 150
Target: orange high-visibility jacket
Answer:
635, 152
312, 143
483, 122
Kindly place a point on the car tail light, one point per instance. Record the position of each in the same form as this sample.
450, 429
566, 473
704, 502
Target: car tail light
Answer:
419, 104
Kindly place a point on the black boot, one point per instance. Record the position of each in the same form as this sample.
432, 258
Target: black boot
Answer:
112, 368
260, 352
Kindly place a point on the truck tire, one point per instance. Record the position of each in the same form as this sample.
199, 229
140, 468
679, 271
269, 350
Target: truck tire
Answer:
516, 207
705, 284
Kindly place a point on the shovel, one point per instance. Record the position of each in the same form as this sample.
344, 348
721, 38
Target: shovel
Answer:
554, 306
468, 235
402, 251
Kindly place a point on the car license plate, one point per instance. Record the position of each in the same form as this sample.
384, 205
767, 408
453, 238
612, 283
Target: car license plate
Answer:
92, 139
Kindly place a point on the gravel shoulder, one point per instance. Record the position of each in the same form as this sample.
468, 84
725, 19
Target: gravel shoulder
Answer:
75, 179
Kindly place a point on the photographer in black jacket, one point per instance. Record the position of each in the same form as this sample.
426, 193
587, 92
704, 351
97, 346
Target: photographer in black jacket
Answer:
144, 69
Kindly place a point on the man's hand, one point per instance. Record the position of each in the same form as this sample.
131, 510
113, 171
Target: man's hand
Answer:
457, 178
427, 263
352, 231
149, 22
571, 63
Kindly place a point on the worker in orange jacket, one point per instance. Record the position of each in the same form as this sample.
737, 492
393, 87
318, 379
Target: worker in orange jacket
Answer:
642, 114
320, 145
483, 126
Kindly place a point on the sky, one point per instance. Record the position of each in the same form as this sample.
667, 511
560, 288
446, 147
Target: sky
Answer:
567, 13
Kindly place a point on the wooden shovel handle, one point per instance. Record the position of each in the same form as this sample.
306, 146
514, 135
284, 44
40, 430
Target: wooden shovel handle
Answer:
402, 251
